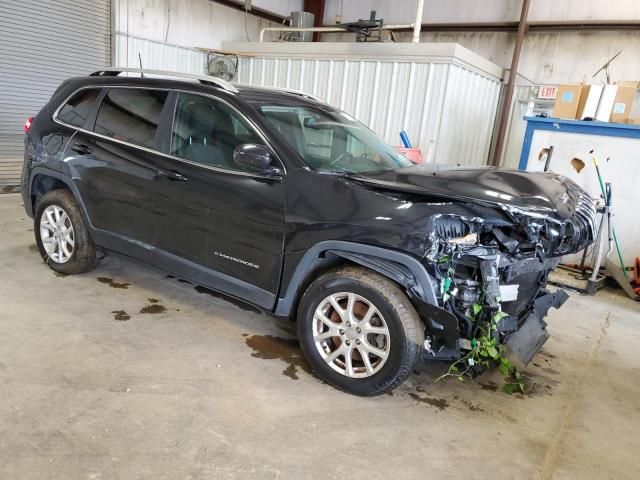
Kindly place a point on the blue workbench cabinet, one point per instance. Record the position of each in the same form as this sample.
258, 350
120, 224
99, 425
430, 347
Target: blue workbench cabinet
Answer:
572, 141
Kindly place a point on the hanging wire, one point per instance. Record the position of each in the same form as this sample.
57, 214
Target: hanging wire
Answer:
166, 31
246, 13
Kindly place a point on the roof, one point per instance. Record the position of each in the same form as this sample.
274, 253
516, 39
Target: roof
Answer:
247, 90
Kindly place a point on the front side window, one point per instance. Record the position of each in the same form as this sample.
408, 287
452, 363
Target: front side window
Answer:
77, 109
131, 115
327, 139
207, 131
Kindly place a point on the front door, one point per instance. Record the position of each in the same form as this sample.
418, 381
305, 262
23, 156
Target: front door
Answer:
218, 223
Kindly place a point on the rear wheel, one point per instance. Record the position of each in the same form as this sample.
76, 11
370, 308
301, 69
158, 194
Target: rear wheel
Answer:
61, 235
359, 331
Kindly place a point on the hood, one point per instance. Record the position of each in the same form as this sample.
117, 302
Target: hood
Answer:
544, 193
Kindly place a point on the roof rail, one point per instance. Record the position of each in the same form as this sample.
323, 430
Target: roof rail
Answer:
115, 71
285, 90
298, 92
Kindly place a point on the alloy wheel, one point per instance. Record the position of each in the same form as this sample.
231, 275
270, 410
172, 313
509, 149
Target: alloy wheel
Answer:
56, 233
351, 335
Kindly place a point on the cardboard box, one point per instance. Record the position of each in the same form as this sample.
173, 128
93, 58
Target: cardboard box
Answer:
605, 105
589, 100
624, 101
567, 100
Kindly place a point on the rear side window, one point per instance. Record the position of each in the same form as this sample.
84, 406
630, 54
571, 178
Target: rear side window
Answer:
77, 109
131, 115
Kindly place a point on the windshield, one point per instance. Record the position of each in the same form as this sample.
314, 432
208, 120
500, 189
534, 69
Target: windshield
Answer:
332, 140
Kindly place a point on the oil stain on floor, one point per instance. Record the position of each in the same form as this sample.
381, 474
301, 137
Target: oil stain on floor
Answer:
538, 385
112, 283
440, 403
120, 315
153, 308
270, 347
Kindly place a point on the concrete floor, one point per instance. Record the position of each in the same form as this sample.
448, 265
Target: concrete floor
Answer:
127, 373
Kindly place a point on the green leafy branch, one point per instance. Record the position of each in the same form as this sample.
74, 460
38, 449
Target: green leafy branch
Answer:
486, 351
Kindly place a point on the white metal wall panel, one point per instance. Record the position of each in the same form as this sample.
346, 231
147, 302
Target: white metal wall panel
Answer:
516, 126
447, 110
468, 116
43, 43
158, 55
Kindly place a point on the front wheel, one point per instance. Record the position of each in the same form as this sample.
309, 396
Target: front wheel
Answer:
359, 331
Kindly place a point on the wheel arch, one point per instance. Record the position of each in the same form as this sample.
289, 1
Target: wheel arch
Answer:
43, 183
44, 180
400, 267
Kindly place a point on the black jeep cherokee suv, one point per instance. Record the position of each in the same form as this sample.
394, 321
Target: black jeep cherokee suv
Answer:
280, 200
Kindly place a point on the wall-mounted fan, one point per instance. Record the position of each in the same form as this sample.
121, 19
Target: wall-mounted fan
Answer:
223, 66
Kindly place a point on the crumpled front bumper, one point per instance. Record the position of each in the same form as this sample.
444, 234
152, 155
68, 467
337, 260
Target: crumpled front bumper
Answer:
523, 329
532, 334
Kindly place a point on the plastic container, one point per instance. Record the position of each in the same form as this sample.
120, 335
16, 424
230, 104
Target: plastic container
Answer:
413, 154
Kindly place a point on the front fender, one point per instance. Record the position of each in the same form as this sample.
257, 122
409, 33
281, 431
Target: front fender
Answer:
400, 267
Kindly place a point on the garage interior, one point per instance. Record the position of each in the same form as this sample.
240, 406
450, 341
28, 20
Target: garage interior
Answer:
130, 372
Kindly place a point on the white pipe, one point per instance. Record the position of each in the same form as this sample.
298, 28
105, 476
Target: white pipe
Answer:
397, 27
324, 29
299, 29
417, 26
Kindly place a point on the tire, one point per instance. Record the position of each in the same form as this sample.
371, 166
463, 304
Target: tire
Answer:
82, 256
398, 336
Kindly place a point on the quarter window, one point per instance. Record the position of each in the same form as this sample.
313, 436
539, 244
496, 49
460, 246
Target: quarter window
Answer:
131, 115
77, 109
207, 131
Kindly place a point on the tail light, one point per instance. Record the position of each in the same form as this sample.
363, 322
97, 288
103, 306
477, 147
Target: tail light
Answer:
27, 124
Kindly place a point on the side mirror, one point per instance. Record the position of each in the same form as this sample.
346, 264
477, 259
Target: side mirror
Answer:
309, 122
255, 158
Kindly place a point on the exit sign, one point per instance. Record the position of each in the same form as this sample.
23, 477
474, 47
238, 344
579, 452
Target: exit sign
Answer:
547, 92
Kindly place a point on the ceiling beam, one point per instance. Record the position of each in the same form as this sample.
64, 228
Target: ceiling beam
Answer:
256, 11
512, 27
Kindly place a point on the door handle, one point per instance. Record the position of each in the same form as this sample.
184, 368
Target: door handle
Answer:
172, 175
81, 148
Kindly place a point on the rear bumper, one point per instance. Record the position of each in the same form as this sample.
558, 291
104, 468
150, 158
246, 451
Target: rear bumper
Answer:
24, 178
531, 336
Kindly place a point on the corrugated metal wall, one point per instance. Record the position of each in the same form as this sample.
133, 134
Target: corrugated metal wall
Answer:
43, 43
447, 110
158, 55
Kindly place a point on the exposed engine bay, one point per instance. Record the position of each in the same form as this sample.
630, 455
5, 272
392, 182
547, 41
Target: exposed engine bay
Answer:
492, 274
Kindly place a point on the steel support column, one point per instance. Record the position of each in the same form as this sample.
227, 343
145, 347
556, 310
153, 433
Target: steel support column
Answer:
508, 94
317, 8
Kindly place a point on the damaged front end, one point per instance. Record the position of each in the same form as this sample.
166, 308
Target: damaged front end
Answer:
492, 274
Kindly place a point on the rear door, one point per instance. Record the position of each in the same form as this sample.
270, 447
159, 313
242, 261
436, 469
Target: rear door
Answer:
116, 165
226, 220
